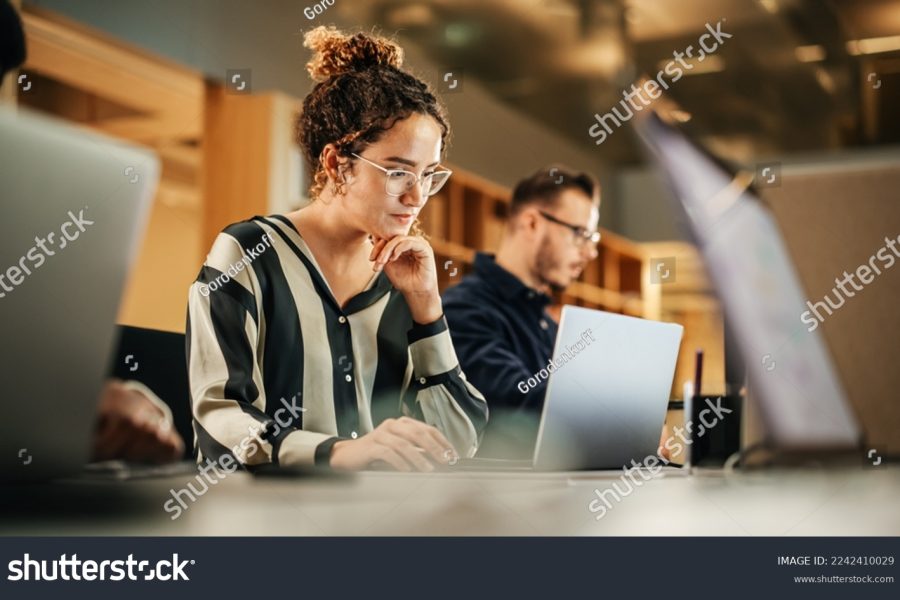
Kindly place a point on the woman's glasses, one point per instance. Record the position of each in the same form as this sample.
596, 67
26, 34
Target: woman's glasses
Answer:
399, 181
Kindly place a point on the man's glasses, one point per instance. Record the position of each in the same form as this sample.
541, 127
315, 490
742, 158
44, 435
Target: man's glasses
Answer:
399, 181
581, 236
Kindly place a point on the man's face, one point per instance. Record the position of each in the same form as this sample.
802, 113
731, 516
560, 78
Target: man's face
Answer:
561, 256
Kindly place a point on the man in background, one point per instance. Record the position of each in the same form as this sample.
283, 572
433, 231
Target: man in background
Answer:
497, 315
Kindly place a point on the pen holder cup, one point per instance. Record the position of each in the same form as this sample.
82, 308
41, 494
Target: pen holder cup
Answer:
715, 429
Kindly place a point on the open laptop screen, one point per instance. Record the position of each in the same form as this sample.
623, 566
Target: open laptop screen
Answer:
800, 396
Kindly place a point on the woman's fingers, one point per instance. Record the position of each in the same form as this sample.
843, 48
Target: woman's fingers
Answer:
404, 444
376, 248
409, 245
409, 451
421, 435
448, 452
425, 428
392, 457
386, 250
399, 245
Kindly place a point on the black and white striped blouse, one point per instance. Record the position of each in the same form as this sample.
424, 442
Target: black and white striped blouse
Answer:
279, 371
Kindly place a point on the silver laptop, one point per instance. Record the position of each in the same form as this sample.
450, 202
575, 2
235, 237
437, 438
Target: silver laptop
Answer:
607, 394
801, 398
74, 209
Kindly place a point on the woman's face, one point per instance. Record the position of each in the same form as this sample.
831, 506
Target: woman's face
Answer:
413, 144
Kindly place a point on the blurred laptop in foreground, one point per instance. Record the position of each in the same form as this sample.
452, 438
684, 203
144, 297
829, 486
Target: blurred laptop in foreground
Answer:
802, 402
64, 256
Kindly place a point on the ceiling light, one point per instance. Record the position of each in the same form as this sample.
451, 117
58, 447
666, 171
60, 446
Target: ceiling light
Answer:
825, 80
601, 56
874, 45
814, 53
710, 64
413, 15
459, 35
770, 5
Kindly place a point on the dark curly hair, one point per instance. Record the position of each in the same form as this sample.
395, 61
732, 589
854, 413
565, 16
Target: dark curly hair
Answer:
361, 93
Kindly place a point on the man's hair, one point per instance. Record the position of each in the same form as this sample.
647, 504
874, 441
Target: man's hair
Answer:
543, 188
12, 39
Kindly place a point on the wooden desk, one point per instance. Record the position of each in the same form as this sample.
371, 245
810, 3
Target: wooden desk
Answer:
794, 503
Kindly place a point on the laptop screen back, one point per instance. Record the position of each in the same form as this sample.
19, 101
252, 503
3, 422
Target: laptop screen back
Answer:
801, 399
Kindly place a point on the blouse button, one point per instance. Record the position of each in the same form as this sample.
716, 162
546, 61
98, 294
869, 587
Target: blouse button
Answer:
354, 435
544, 324
348, 378
342, 319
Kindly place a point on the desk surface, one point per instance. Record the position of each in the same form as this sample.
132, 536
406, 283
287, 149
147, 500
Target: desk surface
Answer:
785, 502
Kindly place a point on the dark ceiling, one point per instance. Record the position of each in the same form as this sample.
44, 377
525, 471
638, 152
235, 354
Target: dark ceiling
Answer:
797, 75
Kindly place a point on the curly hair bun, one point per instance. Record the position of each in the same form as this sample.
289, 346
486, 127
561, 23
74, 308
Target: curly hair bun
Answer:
336, 52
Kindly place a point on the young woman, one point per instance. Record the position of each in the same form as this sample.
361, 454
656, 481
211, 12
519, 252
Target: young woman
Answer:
318, 337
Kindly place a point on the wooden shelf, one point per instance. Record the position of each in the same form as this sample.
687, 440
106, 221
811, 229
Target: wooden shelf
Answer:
97, 82
165, 100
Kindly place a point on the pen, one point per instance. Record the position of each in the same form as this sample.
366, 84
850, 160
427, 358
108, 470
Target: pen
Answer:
698, 373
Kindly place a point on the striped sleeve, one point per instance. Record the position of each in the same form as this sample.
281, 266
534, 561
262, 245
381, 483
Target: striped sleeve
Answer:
443, 396
226, 383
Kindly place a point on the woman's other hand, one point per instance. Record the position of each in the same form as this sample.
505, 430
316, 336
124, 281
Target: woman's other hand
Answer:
405, 444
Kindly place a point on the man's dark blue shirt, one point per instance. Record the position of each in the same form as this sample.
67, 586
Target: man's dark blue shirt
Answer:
503, 336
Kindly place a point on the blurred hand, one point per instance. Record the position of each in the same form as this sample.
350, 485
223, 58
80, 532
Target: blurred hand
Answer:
131, 427
404, 444
663, 438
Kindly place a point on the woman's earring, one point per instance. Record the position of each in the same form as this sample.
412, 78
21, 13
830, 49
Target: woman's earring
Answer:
338, 186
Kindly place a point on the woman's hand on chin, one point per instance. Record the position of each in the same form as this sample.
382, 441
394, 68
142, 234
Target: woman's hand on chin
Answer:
408, 261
